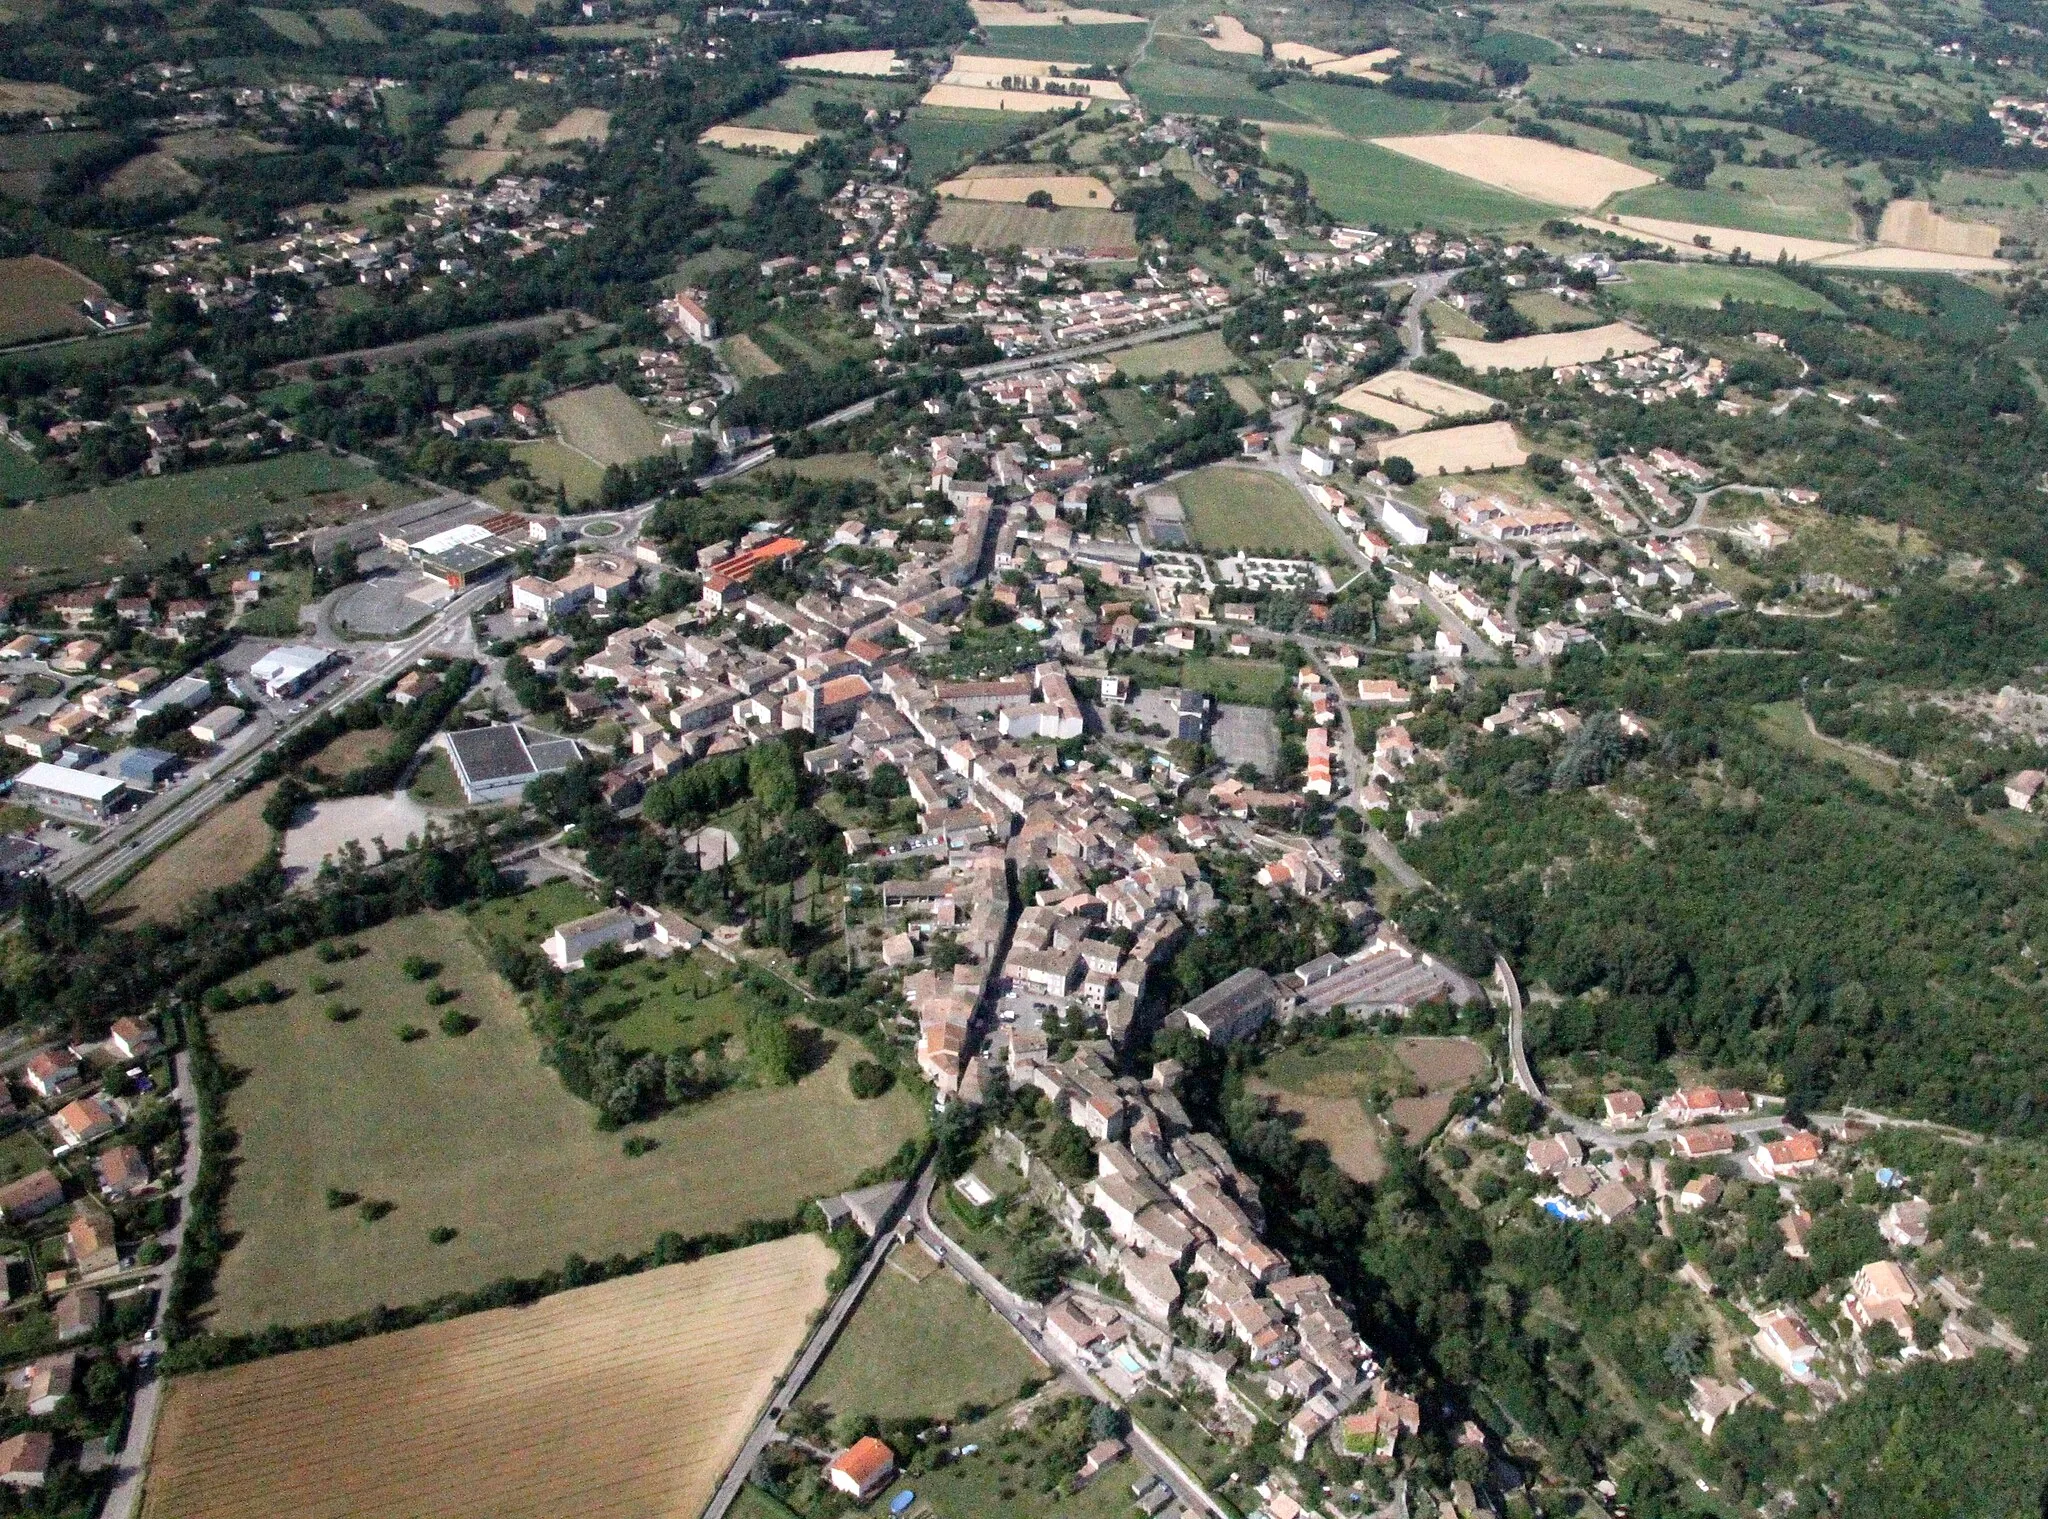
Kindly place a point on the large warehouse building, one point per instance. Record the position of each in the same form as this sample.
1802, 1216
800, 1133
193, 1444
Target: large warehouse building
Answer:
495, 764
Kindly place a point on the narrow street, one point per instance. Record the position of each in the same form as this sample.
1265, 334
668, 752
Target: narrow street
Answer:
125, 1497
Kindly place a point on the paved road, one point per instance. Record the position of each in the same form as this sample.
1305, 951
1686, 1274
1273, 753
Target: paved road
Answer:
126, 1494
1427, 287
1028, 362
765, 1433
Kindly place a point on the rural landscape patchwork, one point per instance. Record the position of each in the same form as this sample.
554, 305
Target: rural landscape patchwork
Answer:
989, 759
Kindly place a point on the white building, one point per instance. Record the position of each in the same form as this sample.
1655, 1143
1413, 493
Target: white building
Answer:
289, 670
567, 946
1404, 524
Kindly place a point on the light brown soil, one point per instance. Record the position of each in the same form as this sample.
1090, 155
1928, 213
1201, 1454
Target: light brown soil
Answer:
625, 1399
219, 852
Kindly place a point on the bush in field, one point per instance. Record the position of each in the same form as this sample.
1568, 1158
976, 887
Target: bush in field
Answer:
870, 1078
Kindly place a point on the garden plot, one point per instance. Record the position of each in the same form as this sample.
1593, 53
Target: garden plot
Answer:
1547, 350
1542, 171
651, 1381
1457, 450
758, 139
865, 63
1065, 189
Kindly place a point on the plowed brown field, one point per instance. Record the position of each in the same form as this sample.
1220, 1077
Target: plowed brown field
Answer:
620, 1401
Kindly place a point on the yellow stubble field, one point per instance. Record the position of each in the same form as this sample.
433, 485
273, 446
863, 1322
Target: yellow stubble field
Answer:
623, 1399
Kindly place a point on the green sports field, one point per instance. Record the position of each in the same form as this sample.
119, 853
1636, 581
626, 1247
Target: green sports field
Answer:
1231, 508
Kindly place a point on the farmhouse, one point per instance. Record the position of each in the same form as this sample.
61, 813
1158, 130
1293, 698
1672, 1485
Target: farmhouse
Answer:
79, 1314
89, 1240
862, 1469
1881, 1293
122, 1171
48, 1072
569, 944
1794, 1155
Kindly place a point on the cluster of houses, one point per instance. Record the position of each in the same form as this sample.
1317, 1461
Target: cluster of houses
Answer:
1586, 1186
1182, 1227
75, 1119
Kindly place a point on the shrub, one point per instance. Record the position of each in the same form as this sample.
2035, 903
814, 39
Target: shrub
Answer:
340, 1013
640, 1144
320, 986
440, 1234
870, 1078
439, 995
408, 1032
455, 1024
420, 968
370, 1209
337, 1199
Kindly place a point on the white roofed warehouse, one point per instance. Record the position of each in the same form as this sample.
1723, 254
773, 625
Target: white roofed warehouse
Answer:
74, 793
289, 670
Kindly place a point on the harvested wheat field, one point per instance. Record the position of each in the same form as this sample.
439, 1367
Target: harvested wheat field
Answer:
1452, 451
1370, 65
1428, 393
968, 97
1698, 239
1524, 166
1381, 408
864, 63
1915, 259
1014, 189
759, 138
1916, 224
1303, 54
584, 124
624, 1399
1231, 37
1008, 13
1007, 73
1547, 350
